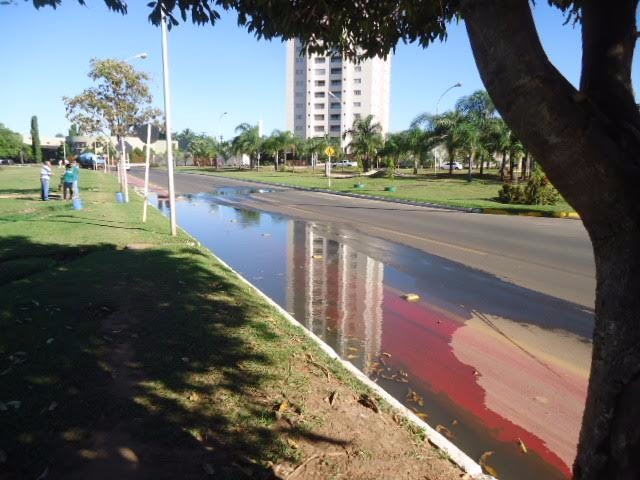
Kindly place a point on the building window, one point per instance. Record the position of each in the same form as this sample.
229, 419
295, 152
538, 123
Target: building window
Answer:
335, 104
318, 117
336, 83
299, 94
334, 128
299, 59
357, 68
357, 104
320, 71
320, 60
299, 82
357, 81
319, 83
356, 116
318, 106
335, 116
335, 71
299, 105
318, 128
298, 117
337, 94
357, 92
318, 94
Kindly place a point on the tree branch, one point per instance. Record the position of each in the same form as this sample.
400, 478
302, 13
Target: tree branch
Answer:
578, 144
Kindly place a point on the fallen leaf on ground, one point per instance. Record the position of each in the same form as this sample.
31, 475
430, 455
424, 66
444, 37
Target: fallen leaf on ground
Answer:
36, 303
293, 444
369, 402
185, 359
351, 357
422, 415
50, 341
483, 463
333, 396
444, 431
53, 406
385, 354
4, 372
411, 297
523, 447
208, 469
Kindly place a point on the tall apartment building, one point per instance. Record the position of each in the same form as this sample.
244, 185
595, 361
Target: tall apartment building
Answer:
325, 94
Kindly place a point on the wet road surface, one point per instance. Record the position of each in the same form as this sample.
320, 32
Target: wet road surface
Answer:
490, 362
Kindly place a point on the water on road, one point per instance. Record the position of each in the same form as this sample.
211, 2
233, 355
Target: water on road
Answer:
493, 366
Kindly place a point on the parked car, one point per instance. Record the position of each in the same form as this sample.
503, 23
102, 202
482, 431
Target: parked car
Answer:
456, 166
5, 161
344, 163
91, 160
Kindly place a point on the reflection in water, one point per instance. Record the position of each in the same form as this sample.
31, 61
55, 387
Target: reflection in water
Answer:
463, 359
333, 288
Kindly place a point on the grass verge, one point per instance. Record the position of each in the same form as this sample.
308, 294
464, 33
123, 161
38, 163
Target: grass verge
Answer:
440, 189
128, 353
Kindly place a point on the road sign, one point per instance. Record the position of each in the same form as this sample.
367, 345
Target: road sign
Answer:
329, 151
141, 133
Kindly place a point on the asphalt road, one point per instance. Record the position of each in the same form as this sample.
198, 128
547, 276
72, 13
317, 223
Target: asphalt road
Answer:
547, 255
526, 319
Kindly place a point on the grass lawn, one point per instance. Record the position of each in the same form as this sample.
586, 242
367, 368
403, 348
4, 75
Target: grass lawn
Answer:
127, 353
427, 187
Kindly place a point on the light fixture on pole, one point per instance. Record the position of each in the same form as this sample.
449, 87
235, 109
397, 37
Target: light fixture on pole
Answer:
435, 152
167, 116
123, 152
220, 133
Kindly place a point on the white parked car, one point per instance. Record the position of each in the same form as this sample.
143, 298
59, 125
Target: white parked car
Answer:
456, 166
344, 163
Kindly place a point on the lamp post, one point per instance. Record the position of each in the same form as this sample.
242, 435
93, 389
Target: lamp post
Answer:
123, 157
435, 154
167, 116
220, 132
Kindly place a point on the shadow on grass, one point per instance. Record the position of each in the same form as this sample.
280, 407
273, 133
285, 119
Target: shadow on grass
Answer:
135, 364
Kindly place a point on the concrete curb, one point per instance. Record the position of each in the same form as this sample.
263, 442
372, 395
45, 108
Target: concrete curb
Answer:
457, 456
491, 211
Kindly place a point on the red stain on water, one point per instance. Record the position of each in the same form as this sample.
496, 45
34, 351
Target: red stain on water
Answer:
419, 337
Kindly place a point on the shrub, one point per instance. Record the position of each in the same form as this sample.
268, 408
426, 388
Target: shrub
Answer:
539, 190
511, 194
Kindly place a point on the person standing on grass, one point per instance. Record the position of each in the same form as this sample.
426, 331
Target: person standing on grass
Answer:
45, 179
67, 185
76, 173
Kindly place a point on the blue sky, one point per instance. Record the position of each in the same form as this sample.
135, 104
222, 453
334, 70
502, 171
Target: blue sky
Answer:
45, 54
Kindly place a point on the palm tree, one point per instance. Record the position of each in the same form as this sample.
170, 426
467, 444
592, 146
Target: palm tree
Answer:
394, 146
497, 141
366, 139
273, 145
247, 142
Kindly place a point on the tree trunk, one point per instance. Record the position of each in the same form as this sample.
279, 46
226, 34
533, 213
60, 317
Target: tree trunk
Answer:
503, 163
600, 126
523, 168
415, 165
470, 164
481, 165
512, 164
275, 165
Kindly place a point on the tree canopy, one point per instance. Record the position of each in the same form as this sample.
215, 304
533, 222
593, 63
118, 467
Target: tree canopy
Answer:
10, 143
120, 101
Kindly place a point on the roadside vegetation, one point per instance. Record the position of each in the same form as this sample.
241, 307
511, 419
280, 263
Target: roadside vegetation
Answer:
441, 189
128, 351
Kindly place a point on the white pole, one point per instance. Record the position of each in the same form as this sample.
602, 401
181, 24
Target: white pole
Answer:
146, 173
167, 115
123, 171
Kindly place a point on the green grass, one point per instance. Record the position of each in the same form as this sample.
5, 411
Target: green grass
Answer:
109, 322
440, 189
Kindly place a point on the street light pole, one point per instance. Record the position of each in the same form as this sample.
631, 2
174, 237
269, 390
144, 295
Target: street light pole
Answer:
435, 154
220, 132
167, 116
